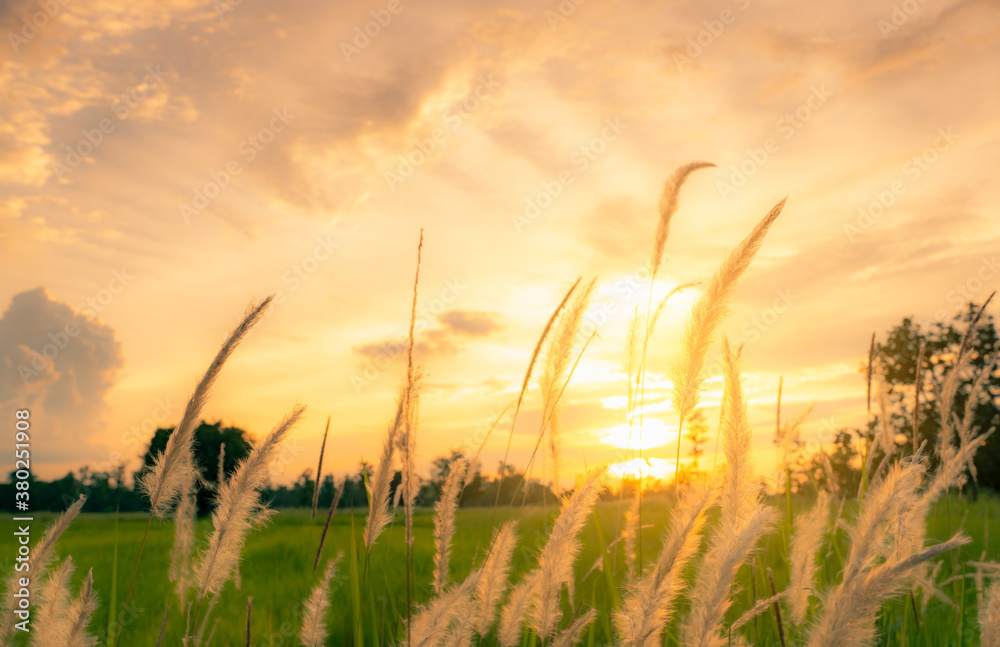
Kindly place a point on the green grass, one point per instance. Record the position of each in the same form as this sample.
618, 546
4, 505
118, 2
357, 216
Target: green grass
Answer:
277, 571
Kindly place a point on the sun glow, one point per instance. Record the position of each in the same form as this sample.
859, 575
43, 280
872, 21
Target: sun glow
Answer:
630, 294
660, 469
654, 433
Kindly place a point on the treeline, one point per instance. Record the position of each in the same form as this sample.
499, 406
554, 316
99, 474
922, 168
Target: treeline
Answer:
107, 492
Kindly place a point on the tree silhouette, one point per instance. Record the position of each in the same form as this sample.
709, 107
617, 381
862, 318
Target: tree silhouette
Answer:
208, 440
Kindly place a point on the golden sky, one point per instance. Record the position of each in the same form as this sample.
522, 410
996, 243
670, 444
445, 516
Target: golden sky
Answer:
163, 163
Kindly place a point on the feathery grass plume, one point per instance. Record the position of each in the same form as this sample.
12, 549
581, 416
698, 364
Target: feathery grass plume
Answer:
527, 375
406, 445
965, 429
377, 486
463, 630
431, 625
886, 436
163, 482
711, 596
329, 517
954, 459
184, 528
851, 612
630, 535
79, 614
239, 509
444, 522
741, 492
649, 603
706, 315
514, 612
53, 604
989, 617
555, 564
319, 469
492, 583
668, 207
571, 635
950, 473
314, 629
408, 439
888, 502
557, 361
831, 478
950, 386
221, 476
850, 609
810, 530
758, 608
41, 556
743, 521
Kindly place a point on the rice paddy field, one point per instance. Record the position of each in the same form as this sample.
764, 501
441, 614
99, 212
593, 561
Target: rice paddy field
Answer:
276, 571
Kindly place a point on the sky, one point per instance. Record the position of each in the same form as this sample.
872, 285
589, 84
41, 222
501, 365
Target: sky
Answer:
165, 163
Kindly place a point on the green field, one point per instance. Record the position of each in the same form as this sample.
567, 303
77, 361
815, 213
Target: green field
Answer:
277, 572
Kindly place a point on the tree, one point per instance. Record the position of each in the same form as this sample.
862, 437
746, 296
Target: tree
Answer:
696, 433
208, 440
897, 359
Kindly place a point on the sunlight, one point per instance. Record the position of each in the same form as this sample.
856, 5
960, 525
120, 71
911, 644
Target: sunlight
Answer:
660, 469
630, 293
655, 433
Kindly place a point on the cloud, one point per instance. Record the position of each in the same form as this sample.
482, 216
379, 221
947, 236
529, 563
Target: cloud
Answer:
471, 322
433, 342
60, 365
